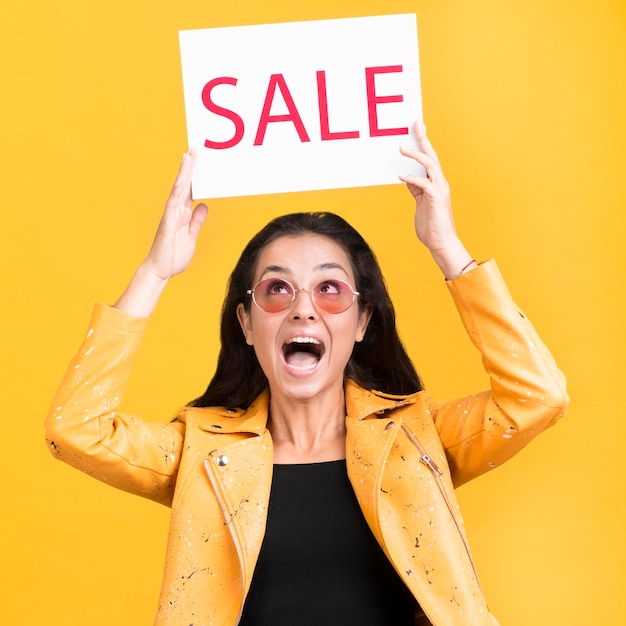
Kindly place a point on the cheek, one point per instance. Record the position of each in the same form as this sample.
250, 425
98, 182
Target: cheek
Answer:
346, 332
263, 331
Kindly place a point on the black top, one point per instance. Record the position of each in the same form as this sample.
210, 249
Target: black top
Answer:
319, 562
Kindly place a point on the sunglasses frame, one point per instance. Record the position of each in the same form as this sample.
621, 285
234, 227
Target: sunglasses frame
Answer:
295, 291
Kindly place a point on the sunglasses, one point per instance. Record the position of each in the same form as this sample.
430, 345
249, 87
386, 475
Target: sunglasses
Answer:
276, 294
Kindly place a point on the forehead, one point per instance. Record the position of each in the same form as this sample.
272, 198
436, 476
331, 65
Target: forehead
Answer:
301, 254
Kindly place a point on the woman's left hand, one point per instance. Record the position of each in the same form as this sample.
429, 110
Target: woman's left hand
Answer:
434, 223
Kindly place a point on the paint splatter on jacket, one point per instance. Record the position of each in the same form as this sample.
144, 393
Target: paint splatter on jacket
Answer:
405, 455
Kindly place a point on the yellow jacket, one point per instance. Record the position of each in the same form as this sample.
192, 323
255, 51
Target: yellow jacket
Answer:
405, 455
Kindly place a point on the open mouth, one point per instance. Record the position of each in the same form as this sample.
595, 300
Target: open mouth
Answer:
303, 353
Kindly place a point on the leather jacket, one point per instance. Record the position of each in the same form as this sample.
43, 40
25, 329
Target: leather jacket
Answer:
405, 455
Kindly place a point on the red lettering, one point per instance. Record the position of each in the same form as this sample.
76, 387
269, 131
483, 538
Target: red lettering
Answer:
227, 113
373, 100
322, 100
278, 80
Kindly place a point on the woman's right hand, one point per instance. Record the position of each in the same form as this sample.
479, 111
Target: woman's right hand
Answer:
173, 246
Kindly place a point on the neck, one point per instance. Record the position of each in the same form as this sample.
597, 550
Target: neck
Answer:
308, 431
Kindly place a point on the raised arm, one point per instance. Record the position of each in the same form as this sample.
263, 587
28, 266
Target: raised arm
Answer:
528, 391
84, 426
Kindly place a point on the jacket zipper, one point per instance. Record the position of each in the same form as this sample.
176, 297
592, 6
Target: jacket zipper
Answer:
229, 523
436, 472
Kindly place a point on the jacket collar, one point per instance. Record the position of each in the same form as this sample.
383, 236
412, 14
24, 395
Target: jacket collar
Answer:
222, 420
360, 404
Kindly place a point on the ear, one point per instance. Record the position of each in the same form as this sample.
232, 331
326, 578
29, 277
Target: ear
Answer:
364, 320
244, 321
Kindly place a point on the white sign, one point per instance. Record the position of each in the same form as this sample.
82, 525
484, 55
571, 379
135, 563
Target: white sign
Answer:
302, 105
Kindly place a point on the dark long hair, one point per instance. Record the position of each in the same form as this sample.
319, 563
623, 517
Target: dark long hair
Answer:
378, 362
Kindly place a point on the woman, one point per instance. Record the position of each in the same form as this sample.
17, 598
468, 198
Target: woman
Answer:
313, 481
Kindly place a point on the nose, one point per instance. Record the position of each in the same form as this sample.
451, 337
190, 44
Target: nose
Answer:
303, 307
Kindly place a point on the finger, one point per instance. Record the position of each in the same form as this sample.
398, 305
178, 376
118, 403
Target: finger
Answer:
417, 184
186, 167
181, 191
432, 167
197, 220
423, 142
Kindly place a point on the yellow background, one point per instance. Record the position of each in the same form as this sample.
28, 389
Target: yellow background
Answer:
526, 104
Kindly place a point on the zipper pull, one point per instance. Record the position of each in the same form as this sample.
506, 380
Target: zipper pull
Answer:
426, 460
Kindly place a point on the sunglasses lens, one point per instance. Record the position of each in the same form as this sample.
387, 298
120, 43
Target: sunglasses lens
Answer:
273, 294
333, 296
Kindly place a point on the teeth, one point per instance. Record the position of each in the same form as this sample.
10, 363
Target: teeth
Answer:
304, 340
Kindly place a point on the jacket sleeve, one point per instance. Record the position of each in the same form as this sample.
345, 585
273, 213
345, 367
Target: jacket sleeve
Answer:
84, 427
528, 392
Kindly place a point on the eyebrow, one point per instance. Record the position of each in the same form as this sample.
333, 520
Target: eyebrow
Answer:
279, 269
